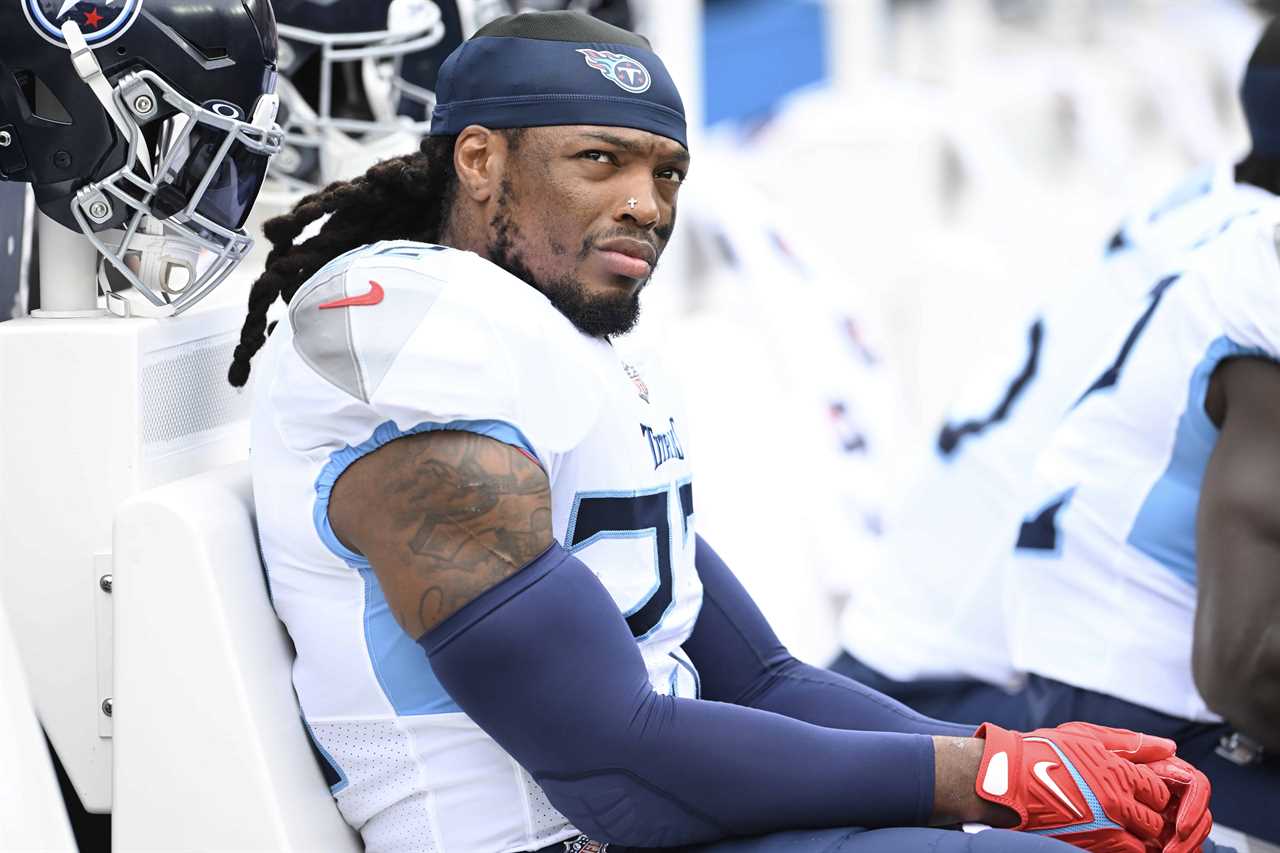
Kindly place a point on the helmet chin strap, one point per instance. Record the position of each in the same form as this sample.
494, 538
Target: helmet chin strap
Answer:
163, 263
88, 70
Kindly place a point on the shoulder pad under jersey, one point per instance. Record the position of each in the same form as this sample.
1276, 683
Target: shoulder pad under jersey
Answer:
428, 334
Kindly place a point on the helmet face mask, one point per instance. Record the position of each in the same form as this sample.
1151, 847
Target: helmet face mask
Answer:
208, 165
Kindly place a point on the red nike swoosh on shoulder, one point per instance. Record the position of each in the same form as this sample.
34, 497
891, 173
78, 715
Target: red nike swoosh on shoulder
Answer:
373, 297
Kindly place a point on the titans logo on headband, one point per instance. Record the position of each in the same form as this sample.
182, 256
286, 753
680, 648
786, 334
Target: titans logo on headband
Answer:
101, 21
620, 69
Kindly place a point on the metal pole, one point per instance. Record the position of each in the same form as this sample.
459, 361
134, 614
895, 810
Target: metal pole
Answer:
68, 272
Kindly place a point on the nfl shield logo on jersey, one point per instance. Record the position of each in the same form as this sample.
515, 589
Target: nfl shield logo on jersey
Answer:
582, 844
641, 388
620, 69
100, 21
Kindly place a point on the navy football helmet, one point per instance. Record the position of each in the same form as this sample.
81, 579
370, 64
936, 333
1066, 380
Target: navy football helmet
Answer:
414, 86
345, 65
145, 124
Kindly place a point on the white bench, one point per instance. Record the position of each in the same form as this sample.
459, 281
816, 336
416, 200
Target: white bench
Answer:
210, 750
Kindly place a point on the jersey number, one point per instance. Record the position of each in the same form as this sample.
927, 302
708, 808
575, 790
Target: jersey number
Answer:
1111, 375
952, 435
637, 515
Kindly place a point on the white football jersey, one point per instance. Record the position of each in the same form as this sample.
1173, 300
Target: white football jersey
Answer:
932, 611
399, 338
1102, 587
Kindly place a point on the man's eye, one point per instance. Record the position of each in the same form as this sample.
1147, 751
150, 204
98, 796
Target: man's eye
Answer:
598, 156
671, 175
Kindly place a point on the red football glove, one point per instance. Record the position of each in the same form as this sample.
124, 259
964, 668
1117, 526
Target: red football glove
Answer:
1069, 784
1187, 817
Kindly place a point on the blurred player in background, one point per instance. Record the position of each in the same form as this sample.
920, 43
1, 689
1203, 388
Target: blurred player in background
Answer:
1144, 589
940, 643
1155, 536
969, 501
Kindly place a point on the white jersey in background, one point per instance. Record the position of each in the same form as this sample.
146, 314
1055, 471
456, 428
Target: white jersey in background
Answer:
779, 355
933, 611
1102, 589
399, 338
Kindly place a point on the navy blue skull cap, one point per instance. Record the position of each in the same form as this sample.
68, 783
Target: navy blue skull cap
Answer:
539, 69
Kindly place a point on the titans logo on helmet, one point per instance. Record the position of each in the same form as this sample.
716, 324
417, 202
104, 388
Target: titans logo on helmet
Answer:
620, 69
100, 21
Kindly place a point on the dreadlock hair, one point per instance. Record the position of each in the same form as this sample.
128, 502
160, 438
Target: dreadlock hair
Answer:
404, 198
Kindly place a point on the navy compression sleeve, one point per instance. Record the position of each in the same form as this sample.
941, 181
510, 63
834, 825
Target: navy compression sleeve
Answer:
545, 664
741, 660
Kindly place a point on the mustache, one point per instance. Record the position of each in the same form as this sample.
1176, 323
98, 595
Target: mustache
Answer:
663, 233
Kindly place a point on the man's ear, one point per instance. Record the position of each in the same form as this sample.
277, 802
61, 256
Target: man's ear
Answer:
479, 158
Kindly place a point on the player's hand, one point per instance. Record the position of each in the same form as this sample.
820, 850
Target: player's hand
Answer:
1070, 784
1187, 816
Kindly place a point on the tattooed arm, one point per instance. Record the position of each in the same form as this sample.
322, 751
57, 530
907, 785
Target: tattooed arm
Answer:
442, 516
457, 528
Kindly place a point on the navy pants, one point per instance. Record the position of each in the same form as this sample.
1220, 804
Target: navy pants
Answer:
1244, 798
901, 840
956, 700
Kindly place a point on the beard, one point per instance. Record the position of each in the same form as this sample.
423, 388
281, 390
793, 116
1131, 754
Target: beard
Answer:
600, 316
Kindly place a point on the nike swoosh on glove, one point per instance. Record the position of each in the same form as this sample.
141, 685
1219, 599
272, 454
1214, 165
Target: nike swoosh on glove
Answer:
1069, 785
1187, 817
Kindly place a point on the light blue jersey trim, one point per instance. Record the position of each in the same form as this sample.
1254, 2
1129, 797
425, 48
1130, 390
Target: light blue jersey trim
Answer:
683, 662
399, 663
1165, 526
324, 753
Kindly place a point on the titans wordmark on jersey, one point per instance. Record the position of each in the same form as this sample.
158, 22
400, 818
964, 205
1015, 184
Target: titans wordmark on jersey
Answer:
1102, 593
400, 338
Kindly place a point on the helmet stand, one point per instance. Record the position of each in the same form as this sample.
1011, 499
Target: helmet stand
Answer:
109, 546
68, 273
96, 409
